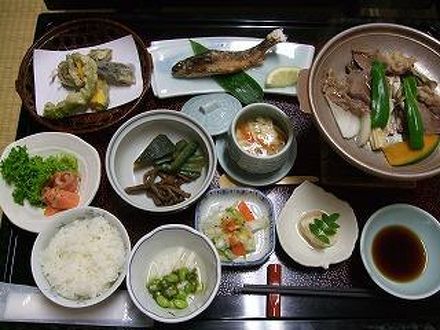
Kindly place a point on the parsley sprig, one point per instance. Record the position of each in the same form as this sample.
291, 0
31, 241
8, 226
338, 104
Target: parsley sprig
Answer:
325, 227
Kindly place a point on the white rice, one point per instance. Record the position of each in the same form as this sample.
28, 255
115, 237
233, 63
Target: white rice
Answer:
84, 258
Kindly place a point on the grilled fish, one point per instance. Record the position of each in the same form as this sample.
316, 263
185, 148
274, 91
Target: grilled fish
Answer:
216, 62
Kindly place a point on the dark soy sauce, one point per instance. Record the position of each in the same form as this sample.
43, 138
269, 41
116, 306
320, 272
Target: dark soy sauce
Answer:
399, 253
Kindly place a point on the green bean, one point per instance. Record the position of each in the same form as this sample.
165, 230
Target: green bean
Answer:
182, 273
180, 304
163, 302
171, 278
170, 292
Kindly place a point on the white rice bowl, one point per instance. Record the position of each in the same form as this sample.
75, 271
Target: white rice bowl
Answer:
81, 258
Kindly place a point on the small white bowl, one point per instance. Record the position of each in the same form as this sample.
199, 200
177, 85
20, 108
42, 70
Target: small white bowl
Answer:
44, 238
133, 137
166, 243
44, 144
426, 227
260, 164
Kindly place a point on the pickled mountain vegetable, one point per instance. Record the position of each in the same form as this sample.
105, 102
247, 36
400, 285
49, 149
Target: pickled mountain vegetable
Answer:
174, 164
160, 147
232, 230
175, 289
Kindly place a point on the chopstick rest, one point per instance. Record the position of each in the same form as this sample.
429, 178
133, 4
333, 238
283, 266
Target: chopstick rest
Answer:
273, 301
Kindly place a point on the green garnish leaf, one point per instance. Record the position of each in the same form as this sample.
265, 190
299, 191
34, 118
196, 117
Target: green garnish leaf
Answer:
29, 174
239, 84
325, 227
324, 238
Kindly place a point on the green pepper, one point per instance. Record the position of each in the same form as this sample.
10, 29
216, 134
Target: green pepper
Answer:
413, 117
380, 96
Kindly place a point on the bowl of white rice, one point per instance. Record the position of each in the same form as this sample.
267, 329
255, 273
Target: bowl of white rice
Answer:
81, 258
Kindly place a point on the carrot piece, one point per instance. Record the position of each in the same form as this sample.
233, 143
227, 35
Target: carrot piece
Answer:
245, 211
229, 225
238, 249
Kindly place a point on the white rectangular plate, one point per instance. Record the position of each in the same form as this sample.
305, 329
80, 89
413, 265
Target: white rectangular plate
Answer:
46, 62
166, 53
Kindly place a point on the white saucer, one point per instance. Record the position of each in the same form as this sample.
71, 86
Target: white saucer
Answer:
251, 179
221, 109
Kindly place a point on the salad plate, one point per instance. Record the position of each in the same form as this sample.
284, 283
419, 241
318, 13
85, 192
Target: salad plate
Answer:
215, 204
32, 218
306, 198
166, 53
252, 179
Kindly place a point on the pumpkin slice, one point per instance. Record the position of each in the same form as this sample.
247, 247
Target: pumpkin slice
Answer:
399, 154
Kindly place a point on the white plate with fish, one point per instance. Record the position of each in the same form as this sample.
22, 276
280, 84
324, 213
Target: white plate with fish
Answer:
316, 228
48, 144
225, 215
167, 53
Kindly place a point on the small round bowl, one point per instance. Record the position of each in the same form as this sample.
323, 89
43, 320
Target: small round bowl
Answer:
426, 227
133, 137
167, 243
260, 164
44, 238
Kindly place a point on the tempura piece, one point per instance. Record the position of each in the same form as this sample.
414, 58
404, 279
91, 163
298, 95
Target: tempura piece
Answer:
101, 54
118, 74
78, 100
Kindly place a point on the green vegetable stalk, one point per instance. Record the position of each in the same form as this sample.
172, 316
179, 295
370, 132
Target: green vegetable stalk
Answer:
239, 84
380, 96
413, 117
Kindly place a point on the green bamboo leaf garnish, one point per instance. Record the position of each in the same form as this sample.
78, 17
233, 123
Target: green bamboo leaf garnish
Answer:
239, 84
325, 227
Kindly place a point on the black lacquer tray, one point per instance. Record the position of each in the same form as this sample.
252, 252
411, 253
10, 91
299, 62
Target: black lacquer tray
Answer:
230, 310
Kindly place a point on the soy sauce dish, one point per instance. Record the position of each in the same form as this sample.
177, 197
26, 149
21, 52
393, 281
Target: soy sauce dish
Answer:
399, 249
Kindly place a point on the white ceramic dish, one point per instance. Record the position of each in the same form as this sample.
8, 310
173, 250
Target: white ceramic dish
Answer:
44, 238
166, 242
131, 139
308, 197
219, 199
44, 144
166, 53
426, 227
251, 179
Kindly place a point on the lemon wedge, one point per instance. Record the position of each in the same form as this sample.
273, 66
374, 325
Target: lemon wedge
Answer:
282, 77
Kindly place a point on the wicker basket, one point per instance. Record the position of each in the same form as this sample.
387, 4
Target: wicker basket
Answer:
72, 35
